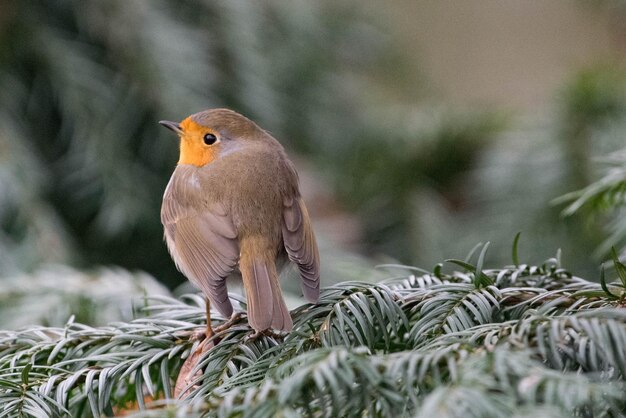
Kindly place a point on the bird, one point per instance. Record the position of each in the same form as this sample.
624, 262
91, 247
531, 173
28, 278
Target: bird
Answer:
233, 207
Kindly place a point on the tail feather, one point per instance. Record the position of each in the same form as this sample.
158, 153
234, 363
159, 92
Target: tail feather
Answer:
266, 306
257, 282
281, 318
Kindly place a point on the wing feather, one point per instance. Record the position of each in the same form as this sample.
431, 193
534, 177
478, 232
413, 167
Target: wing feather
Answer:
301, 245
203, 243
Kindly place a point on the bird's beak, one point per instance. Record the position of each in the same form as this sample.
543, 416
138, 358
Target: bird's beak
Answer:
173, 126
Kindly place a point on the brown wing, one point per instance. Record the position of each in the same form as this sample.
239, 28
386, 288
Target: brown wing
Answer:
203, 243
301, 246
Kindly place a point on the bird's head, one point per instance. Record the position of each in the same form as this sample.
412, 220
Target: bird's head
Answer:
207, 135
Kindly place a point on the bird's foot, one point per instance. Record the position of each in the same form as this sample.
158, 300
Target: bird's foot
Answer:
204, 335
198, 335
266, 333
232, 321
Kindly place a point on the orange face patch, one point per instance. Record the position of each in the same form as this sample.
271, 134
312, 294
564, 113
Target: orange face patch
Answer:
193, 150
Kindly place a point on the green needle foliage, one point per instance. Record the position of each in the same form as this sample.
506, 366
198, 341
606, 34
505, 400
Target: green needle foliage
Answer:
606, 196
516, 341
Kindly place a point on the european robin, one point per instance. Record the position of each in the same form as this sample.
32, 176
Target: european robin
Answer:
233, 208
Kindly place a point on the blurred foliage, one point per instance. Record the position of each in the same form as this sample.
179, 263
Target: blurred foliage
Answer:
593, 103
83, 163
522, 340
408, 151
55, 293
606, 199
516, 180
599, 104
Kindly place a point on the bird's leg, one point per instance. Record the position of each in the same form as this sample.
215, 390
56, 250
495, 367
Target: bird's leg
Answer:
208, 332
207, 337
209, 327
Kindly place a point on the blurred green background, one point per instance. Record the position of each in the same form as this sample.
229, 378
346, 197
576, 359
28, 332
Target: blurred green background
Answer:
419, 129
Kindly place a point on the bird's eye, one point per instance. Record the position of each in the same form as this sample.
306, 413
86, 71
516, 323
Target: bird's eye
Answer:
210, 139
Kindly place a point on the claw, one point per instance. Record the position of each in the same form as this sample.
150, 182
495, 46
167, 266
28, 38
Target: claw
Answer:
198, 335
232, 321
265, 333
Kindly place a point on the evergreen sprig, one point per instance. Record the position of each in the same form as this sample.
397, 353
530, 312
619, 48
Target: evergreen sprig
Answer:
536, 340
